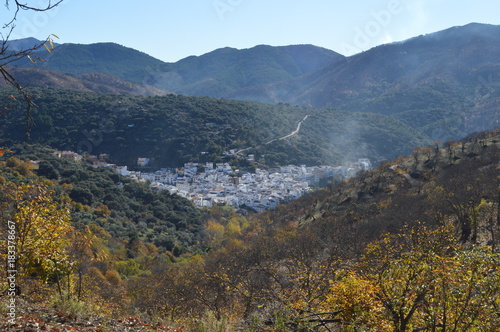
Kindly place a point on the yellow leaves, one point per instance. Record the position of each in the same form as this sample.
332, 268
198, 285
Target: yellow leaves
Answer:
88, 245
464, 288
103, 211
41, 232
47, 48
51, 46
128, 269
215, 233
225, 230
233, 227
426, 279
357, 297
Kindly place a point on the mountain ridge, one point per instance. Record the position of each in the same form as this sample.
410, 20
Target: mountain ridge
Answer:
447, 75
95, 82
214, 74
445, 84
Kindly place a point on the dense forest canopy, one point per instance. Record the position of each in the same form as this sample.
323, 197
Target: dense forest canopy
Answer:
173, 129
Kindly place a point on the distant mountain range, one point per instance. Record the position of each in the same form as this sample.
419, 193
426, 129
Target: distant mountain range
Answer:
215, 74
25, 44
441, 83
445, 84
458, 56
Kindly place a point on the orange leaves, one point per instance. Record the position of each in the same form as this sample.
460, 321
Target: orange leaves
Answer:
24, 168
4, 151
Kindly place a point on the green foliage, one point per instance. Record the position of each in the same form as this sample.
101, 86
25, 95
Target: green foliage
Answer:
106, 58
72, 307
214, 74
125, 209
172, 130
128, 269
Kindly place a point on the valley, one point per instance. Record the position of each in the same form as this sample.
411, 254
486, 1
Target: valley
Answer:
141, 195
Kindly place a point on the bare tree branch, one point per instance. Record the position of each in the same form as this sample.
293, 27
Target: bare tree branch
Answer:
7, 56
24, 6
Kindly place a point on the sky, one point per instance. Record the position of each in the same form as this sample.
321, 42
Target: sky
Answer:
174, 29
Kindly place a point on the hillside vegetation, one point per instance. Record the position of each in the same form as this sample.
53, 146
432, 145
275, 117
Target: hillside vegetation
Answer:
411, 245
213, 74
443, 84
125, 209
96, 82
173, 129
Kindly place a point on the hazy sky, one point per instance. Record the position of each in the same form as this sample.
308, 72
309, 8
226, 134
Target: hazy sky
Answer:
173, 29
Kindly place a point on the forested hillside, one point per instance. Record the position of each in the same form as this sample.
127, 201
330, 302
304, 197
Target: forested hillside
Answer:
172, 130
106, 58
411, 245
444, 84
126, 210
215, 74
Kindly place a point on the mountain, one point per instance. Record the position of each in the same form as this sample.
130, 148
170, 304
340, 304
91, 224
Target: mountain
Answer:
436, 83
96, 82
106, 58
444, 84
174, 129
213, 74
457, 55
218, 73
25, 44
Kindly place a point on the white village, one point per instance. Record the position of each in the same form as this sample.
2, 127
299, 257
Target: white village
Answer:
211, 183
208, 184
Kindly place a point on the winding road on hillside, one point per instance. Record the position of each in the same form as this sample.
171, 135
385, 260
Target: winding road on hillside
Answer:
293, 133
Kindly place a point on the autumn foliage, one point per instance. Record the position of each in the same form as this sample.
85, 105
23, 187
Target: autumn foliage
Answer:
411, 246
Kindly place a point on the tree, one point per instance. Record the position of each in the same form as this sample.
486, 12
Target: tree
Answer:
7, 56
465, 293
37, 230
402, 267
358, 299
426, 282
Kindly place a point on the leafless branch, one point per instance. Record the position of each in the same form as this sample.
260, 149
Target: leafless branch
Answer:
25, 6
7, 56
